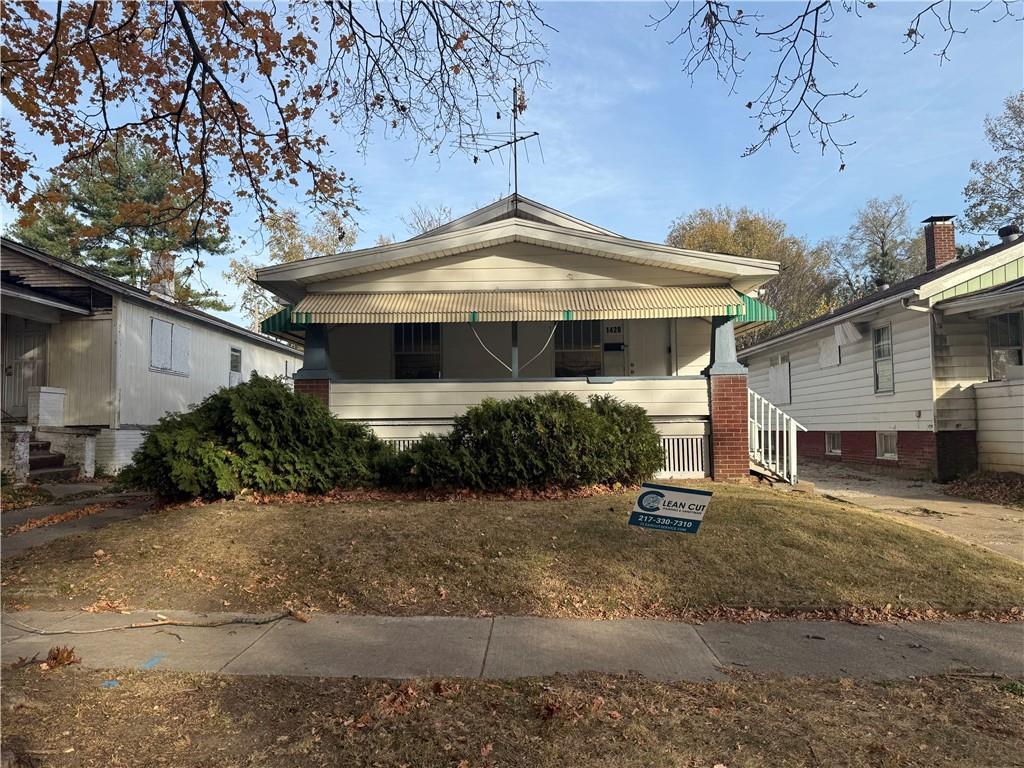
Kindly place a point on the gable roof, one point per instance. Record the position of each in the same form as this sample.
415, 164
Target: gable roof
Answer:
290, 280
516, 207
911, 287
79, 276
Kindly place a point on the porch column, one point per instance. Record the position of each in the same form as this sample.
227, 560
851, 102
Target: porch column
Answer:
728, 393
314, 377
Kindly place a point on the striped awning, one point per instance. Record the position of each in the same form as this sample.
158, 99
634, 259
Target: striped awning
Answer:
504, 306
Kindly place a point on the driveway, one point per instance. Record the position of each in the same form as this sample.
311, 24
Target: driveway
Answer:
919, 502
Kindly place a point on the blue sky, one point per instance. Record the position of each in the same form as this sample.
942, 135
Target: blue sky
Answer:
630, 144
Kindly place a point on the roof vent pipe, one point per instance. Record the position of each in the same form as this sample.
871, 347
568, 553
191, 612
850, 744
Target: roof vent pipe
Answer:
1009, 233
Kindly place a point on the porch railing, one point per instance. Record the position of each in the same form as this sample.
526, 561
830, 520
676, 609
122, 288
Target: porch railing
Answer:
772, 437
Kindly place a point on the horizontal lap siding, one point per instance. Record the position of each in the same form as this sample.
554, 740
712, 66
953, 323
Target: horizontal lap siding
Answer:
961, 360
843, 397
440, 399
1001, 426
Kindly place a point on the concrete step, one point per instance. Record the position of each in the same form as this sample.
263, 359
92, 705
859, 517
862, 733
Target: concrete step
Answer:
36, 446
53, 474
44, 459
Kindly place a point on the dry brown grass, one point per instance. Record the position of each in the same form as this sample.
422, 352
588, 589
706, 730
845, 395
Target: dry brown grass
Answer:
65, 718
573, 557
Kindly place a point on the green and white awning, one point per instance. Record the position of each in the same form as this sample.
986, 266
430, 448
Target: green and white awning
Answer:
524, 306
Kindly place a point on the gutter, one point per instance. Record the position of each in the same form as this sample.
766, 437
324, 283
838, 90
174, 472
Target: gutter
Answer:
907, 296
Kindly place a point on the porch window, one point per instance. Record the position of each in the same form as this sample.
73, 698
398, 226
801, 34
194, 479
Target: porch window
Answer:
834, 443
881, 350
1005, 344
885, 445
417, 348
578, 348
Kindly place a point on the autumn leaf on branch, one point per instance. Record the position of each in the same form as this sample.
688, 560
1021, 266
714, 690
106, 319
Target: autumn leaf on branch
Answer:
246, 99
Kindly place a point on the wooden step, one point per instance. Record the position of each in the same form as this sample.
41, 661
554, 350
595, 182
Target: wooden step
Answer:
36, 446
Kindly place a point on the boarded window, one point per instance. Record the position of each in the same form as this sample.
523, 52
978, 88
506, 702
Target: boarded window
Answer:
829, 355
170, 347
779, 385
578, 348
885, 445
881, 352
417, 350
1005, 344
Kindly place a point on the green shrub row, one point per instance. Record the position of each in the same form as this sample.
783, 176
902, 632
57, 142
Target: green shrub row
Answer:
262, 436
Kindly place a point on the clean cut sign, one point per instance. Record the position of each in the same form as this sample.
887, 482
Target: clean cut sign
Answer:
667, 508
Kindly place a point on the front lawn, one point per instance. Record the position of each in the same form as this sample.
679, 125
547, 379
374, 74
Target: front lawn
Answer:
575, 557
73, 717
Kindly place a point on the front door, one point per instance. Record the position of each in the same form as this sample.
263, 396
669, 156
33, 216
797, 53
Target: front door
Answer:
648, 347
23, 345
613, 341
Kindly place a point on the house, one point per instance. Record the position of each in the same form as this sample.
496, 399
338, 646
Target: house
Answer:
518, 298
924, 377
90, 363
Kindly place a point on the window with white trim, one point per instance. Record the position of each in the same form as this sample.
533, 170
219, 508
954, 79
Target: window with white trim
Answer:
881, 353
779, 385
885, 445
235, 367
169, 347
417, 350
1005, 344
578, 350
834, 443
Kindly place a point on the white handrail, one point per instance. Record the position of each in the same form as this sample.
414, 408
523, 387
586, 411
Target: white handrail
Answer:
771, 437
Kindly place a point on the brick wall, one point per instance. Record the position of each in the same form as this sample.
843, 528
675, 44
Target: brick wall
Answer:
939, 244
318, 388
730, 459
916, 450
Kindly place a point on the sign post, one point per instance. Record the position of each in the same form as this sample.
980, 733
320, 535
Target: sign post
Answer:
668, 508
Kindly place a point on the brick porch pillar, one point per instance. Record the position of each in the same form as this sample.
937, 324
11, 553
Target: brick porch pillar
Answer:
314, 377
730, 459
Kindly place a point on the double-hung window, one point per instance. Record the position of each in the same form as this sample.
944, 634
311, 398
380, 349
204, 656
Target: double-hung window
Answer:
417, 348
881, 353
1005, 344
578, 349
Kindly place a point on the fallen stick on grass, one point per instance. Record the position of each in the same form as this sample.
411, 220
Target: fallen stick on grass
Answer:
164, 623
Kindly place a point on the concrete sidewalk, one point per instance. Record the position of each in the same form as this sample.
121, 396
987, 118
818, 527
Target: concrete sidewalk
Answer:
509, 647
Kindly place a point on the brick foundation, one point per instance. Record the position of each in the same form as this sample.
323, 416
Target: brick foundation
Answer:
318, 388
941, 455
730, 459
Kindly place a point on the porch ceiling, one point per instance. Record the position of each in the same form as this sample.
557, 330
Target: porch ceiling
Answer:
504, 306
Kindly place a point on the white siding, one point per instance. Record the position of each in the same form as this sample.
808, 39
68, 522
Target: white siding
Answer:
144, 394
514, 267
961, 360
114, 448
843, 397
80, 362
1001, 426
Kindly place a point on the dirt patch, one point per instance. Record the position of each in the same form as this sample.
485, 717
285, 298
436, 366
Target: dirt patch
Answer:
759, 553
74, 717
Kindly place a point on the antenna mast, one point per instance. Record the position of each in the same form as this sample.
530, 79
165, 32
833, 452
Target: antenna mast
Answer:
514, 143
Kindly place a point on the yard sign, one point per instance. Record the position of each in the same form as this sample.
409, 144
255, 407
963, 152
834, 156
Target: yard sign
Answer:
667, 508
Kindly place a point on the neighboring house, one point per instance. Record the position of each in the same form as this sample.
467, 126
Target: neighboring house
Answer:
518, 298
89, 363
924, 376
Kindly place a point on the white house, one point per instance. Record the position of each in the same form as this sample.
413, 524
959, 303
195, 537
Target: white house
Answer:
90, 363
924, 376
518, 298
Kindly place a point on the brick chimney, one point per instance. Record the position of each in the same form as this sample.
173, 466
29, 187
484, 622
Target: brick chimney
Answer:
939, 242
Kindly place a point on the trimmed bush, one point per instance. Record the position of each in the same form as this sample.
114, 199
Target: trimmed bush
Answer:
551, 440
258, 435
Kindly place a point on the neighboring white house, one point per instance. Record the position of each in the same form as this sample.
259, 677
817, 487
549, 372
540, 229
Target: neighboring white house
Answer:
924, 376
518, 298
90, 362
